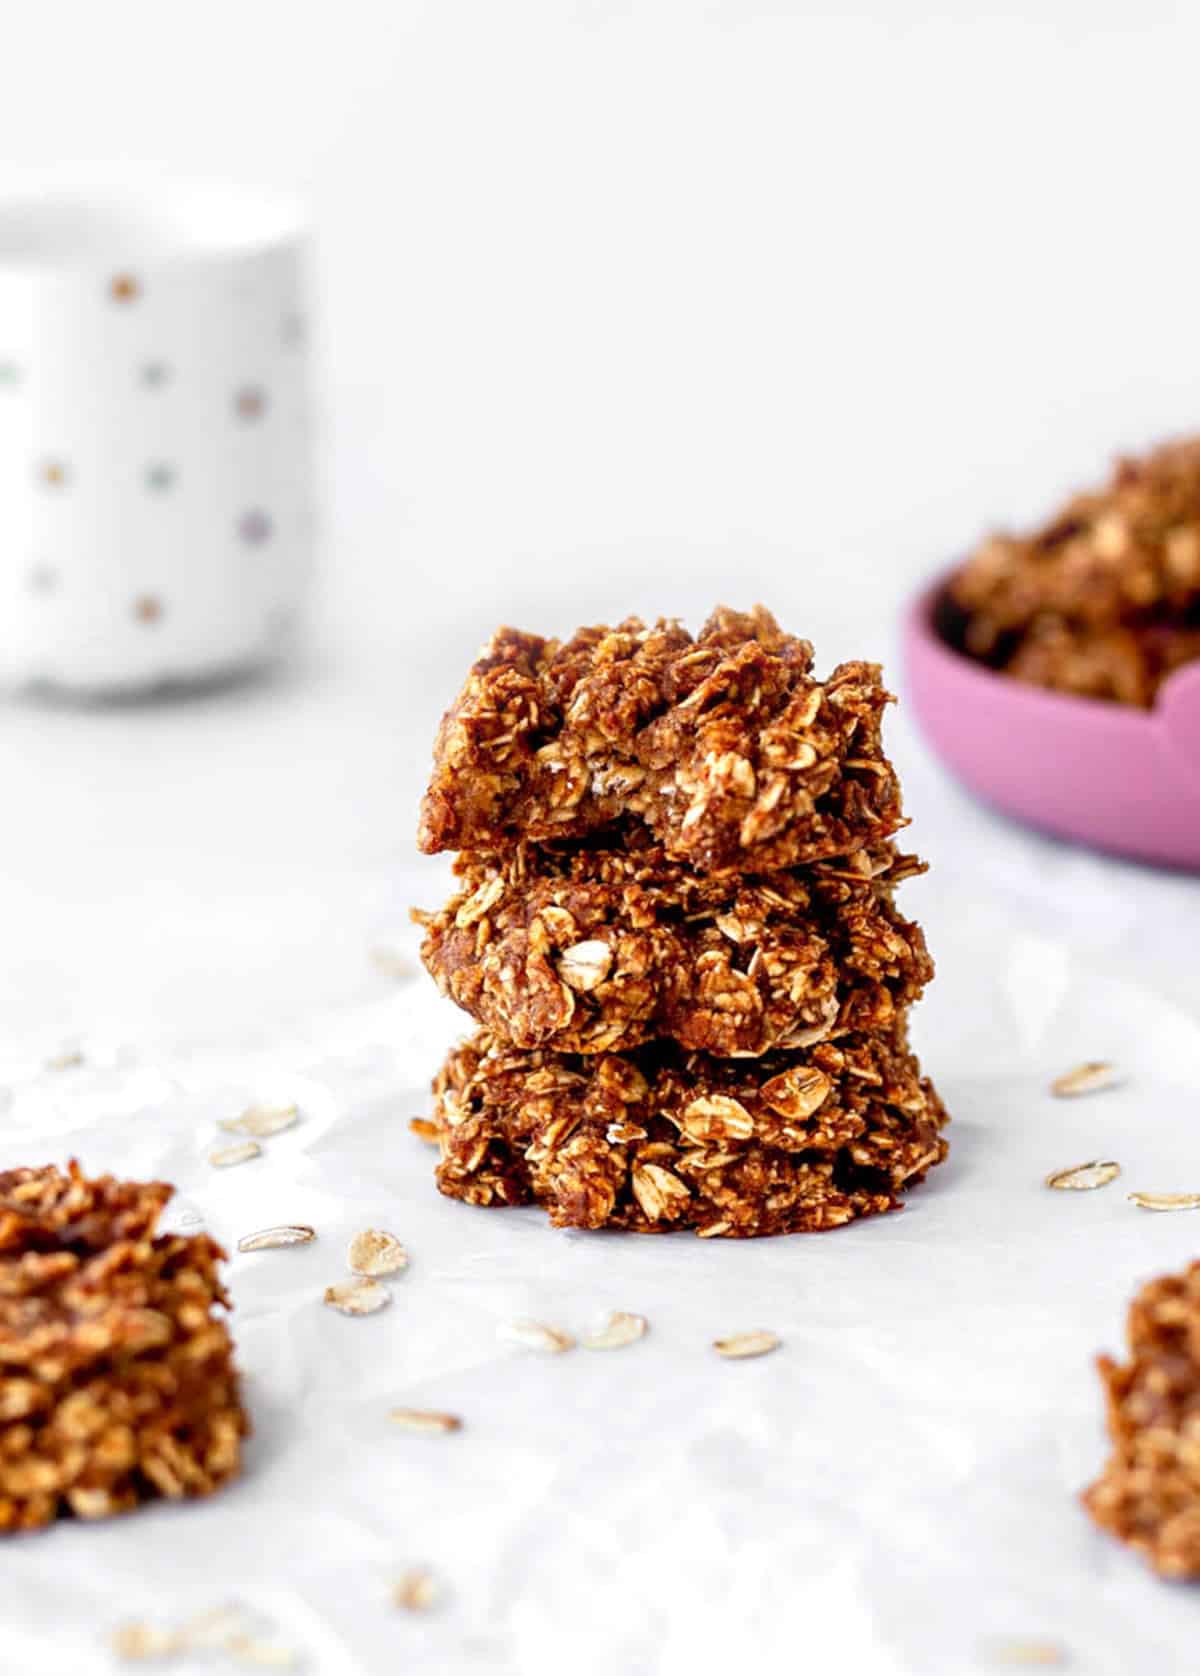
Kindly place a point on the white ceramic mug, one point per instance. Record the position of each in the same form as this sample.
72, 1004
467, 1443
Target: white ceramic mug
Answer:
155, 458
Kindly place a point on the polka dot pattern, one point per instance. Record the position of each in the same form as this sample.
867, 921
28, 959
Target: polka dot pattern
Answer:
254, 527
250, 402
43, 579
157, 526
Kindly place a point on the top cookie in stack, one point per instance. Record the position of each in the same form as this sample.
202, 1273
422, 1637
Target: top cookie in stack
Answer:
726, 747
676, 924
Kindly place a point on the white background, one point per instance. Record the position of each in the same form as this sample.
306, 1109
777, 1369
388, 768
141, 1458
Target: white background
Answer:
634, 308
634, 303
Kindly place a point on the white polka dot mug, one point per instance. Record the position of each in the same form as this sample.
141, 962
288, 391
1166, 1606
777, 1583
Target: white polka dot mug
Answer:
155, 448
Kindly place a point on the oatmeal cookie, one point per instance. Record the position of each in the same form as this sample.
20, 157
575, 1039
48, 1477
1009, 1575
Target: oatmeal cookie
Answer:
117, 1382
725, 745
596, 950
1126, 665
1102, 601
661, 1139
1149, 1492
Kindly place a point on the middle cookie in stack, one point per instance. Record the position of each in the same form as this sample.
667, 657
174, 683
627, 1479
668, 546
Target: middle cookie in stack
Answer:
666, 1044
592, 949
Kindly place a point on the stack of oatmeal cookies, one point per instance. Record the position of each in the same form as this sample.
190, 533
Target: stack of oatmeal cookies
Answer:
676, 927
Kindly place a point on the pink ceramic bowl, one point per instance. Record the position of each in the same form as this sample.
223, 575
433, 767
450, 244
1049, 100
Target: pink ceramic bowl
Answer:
1105, 774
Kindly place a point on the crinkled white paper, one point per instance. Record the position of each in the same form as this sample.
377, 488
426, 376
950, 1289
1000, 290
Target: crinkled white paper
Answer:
892, 1491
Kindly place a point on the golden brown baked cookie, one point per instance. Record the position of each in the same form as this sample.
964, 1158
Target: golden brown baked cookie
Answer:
726, 746
662, 1139
117, 1382
1104, 600
1149, 1492
590, 950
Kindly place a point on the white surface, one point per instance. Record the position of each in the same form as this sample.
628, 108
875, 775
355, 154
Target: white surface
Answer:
627, 308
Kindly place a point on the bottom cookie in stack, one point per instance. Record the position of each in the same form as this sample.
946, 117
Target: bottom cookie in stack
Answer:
660, 1139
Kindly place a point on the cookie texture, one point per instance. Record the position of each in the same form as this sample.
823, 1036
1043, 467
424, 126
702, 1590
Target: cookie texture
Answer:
726, 746
1149, 1492
117, 1382
661, 1139
675, 923
1103, 600
589, 950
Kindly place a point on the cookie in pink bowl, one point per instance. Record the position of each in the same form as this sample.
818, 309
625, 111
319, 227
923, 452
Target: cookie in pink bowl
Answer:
1119, 778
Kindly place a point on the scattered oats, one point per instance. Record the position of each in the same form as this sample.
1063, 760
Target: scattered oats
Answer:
268, 1239
225, 1156
424, 1129
261, 1121
358, 1297
1027, 1652
1082, 1178
1088, 1078
585, 965
67, 1061
620, 1329
216, 1626
221, 1629
535, 1335
374, 1252
416, 1591
144, 1641
260, 1655
1166, 1201
742, 1345
427, 1420
392, 964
